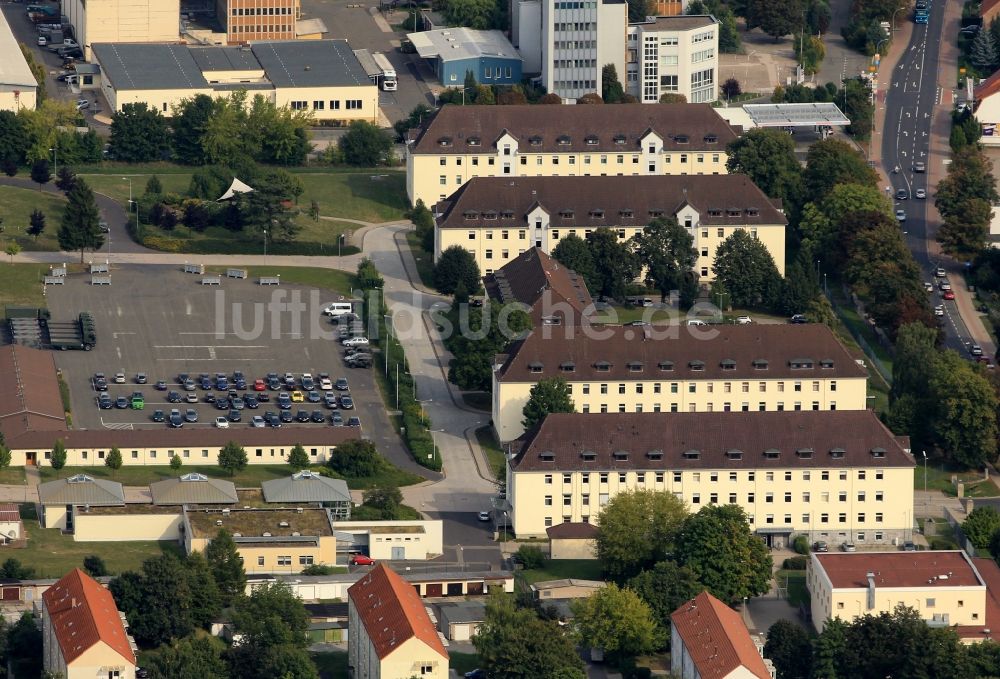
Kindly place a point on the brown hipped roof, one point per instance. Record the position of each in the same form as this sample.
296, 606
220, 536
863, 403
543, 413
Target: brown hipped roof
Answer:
571, 530
742, 440
530, 275
84, 613
568, 129
716, 639
29, 392
592, 202
391, 611
734, 352
898, 569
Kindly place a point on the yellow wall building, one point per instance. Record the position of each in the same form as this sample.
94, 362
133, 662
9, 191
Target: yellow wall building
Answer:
83, 634
721, 368
462, 142
320, 77
390, 635
18, 87
946, 588
833, 476
136, 21
268, 540
497, 218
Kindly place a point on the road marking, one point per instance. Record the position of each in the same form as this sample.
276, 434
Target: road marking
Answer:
207, 346
116, 335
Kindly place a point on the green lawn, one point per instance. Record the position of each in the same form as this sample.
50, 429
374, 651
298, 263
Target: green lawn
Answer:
53, 554
488, 442
329, 279
583, 569
253, 475
315, 238
116, 185
423, 259
21, 284
16, 213
795, 581
12, 476
331, 665
463, 662
939, 478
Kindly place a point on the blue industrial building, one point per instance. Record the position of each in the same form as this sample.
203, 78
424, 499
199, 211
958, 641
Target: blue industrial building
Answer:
454, 51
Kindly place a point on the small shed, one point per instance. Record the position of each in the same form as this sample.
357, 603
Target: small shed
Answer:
566, 588
11, 527
572, 541
459, 620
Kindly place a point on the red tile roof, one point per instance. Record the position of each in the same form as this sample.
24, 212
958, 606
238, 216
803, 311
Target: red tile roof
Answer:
988, 10
84, 613
990, 573
9, 512
716, 638
29, 392
989, 86
391, 611
898, 569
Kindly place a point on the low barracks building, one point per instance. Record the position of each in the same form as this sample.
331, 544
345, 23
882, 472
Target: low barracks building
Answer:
462, 142
722, 368
833, 476
498, 218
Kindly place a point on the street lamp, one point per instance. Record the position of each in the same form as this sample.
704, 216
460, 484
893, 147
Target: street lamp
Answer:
265, 247
925, 473
55, 165
434, 440
892, 25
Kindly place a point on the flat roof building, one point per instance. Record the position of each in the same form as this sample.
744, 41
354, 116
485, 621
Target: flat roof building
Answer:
319, 77
18, 87
673, 55
102, 21
498, 218
834, 476
452, 52
718, 368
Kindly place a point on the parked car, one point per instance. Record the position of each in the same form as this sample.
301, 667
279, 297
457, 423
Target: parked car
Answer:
234, 416
336, 419
362, 560
173, 397
798, 319
354, 422
222, 423
318, 417
82, 104
341, 384
158, 416
119, 378
104, 401
137, 402
191, 415
314, 397
743, 320
908, 546
257, 421
355, 342
325, 384
259, 385
848, 547
121, 402
191, 397
484, 516
346, 402
302, 416
176, 419
160, 385
286, 416
821, 546
298, 397
140, 378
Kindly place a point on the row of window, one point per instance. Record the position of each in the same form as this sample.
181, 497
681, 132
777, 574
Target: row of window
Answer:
575, 26
587, 159
727, 387
152, 454
501, 73
586, 85
574, 44
574, 63
267, 28
678, 477
320, 105
703, 55
727, 407
261, 11
305, 560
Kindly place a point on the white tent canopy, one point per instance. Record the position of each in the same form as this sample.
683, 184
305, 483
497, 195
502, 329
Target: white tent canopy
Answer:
236, 187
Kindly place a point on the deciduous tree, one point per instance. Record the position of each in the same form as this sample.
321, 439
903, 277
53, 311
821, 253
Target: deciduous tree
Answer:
981, 525
139, 134
716, 544
226, 566
965, 416
767, 156
356, 459
666, 250
831, 162
665, 587
189, 658
365, 145
637, 529
775, 17
456, 264
233, 458
298, 458
617, 621
615, 266
546, 396
573, 253
744, 266
790, 649
94, 566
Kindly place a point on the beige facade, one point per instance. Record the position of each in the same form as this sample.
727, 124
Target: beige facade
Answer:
944, 588
246, 20
100, 660
572, 548
569, 588
522, 141
18, 87
396, 540
123, 21
412, 658
99, 525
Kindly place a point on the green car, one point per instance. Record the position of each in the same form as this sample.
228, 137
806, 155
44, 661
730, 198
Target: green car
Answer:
138, 402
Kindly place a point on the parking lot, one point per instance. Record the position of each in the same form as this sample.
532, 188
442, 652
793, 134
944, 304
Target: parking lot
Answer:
161, 322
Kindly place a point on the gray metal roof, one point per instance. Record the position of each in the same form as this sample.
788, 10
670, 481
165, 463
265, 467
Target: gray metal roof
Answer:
795, 115
452, 44
14, 71
310, 63
81, 489
193, 489
149, 66
306, 486
458, 612
225, 59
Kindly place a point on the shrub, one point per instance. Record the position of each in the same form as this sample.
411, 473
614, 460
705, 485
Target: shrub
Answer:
531, 556
795, 563
801, 544
939, 544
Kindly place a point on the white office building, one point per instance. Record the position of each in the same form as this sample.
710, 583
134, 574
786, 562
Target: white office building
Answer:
568, 42
674, 55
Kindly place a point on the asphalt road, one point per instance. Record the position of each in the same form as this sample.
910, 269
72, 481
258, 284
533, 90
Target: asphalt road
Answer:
905, 139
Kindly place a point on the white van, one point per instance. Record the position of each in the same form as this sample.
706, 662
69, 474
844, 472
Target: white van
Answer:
338, 309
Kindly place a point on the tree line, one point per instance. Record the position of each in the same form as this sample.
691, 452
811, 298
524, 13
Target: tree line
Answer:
48, 133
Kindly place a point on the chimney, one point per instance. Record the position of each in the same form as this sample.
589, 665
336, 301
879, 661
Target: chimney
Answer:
72, 602
871, 590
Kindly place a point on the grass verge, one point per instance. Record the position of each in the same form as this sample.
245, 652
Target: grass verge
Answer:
12, 476
583, 569
18, 204
423, 259
22, 284
795, 584
491, 448
939, 478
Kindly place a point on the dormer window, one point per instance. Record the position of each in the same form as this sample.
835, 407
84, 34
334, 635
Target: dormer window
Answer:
837, 453
878, 452
734, 454
551, 320
711, 139
635, 366
591, 140
566, 214
714, 212
804, 453
759, 364
626, 214
547, 456
588, 455
655, 213
691, 454
567, 367
752, 212
444, 141
470, 214
535, 367
826, 363
697, 366
490, 214
507, 214
620, 456
534, 141
563, 140
728, 364
597, 214
681, 139
620, 139
772, 454
655, 454
733, 212
602, 366
473, 141
801, 364
665, 365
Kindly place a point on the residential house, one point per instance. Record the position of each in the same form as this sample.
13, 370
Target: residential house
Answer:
709, 639
987, 103
552, 293
18, 87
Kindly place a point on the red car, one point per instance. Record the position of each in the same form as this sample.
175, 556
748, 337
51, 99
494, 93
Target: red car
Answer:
259, 385
948, 294
362, 560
